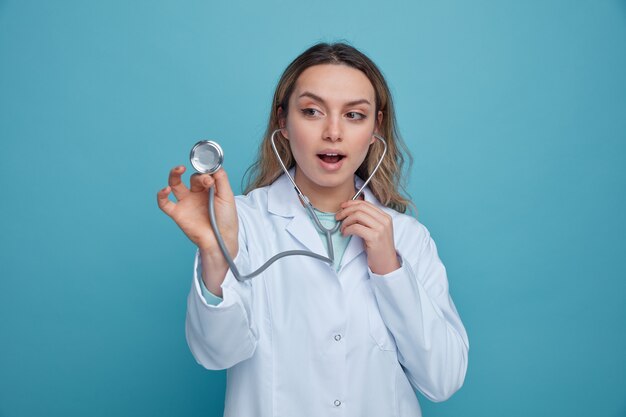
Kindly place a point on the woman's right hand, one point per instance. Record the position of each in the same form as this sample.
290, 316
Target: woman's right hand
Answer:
191, 214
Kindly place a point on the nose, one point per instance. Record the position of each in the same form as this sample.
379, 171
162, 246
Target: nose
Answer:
332, 129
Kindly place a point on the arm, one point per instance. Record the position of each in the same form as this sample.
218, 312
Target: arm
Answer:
221, 335
417, 309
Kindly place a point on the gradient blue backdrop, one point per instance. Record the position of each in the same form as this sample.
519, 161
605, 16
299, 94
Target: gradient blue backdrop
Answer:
515, 112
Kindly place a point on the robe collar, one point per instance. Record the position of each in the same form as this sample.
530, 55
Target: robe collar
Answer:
283, 201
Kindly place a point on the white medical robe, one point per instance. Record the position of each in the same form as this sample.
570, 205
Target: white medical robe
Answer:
303, 340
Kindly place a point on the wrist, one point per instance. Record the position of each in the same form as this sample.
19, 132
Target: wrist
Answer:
385, 265
214, 269
215, 256
210, 253
214, 288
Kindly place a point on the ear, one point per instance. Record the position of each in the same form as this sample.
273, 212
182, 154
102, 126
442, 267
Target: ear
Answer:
379, 121
282, 122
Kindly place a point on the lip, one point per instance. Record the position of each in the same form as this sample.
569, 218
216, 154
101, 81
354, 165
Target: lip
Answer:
327, 151
331, 167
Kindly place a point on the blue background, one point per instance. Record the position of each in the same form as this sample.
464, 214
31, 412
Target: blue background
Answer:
514, 111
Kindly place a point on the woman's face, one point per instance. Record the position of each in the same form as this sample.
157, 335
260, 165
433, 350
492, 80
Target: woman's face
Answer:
331, 119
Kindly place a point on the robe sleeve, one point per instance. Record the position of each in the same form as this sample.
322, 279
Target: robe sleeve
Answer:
220, 332
416, 307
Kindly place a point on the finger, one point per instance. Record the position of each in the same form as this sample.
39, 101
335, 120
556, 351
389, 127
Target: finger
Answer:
359, 230
178, 187
201, 182
381, 216
362, 218
348, 208
164, 202
361, 203
222, 186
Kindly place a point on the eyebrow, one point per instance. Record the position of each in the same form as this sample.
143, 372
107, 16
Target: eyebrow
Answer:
321, 100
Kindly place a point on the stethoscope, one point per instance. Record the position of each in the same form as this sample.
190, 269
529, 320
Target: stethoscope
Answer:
207, 157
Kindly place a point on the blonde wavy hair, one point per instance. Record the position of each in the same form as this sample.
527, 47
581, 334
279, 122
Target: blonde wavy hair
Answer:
387, 181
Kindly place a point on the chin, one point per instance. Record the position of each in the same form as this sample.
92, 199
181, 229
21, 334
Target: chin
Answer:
333, 180
326, 179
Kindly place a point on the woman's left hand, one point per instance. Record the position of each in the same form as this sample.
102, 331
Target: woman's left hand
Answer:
375, 227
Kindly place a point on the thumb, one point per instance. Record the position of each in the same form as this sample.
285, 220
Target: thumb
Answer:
200, 182
222, 186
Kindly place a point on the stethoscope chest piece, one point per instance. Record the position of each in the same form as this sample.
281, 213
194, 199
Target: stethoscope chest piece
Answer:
206, 157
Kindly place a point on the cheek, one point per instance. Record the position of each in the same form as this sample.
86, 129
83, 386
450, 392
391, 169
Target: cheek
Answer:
364, 147
300, 139
366, 142
295, 132
298, 148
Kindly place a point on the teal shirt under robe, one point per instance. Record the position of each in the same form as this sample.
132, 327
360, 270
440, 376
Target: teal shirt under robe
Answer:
340, 242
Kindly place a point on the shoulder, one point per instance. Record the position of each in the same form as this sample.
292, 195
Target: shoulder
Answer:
253, 203
407, 230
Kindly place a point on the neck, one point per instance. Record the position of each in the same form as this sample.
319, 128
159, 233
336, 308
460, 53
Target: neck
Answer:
326, 199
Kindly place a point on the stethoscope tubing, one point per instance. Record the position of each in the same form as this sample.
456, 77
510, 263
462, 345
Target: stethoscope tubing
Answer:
308, 206
229, 259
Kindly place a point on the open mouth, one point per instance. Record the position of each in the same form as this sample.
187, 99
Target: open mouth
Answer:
330, 158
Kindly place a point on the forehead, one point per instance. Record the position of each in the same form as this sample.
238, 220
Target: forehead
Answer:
335, 82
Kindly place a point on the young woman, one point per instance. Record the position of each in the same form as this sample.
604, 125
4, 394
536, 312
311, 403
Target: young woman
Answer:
305, 338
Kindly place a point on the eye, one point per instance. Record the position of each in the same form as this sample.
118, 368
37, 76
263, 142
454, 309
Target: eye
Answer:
308, 112
355, 115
